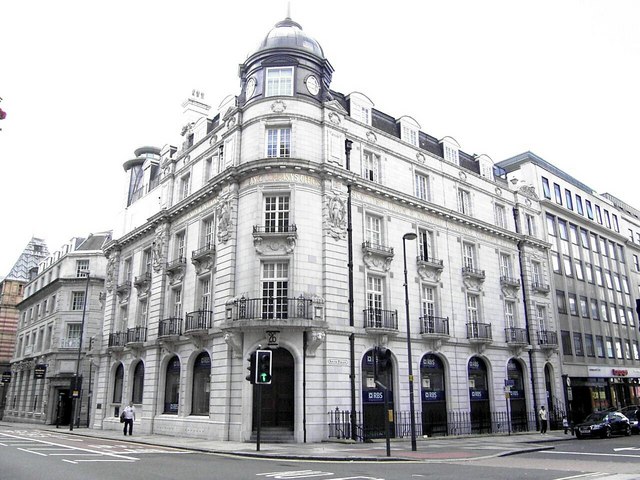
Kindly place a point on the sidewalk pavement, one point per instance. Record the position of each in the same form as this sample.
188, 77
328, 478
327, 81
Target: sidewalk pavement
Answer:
435, 449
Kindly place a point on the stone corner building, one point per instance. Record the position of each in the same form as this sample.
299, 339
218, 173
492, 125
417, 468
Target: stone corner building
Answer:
280, 222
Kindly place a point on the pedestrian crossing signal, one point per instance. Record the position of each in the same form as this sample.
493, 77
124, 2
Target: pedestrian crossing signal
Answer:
263, 367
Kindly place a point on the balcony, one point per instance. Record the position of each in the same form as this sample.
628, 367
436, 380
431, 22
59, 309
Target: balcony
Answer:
434, 327
73, 342
175, 269
516, 336
548, 340
542, 288
117, 341
509, 282
376, 320
123, 290
143, 283
429, 268
136, 336
300, 312
275, 239
170, 328
204, 258
377, 257
473, 278
479, 334
198, 322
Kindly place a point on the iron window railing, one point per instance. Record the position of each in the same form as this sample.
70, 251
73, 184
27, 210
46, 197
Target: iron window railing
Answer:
479, 330
473, 271
378, 248
198, 320
272, 308
516, 335
378, 318
546, 337
430, 324
290, 228
170, 327
117, 339
137, 335
432, 260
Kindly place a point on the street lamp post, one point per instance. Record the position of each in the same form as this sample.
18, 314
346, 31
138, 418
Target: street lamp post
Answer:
405, 237
76, 385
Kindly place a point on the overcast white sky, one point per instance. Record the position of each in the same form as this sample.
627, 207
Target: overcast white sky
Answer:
84, 83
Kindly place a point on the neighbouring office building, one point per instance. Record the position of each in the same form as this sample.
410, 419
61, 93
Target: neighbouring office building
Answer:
11, 291
281, 221
595, 245
60, 316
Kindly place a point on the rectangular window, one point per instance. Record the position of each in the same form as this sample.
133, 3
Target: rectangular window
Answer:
636, 350
568, 199
627, 349
500, 214
616, 225
589, 210
410, 135
595, 311
613, 313
536, 273
558, 193
375, 299
77, 300
505, 265
82, 268
566, 342
142, 314
185, 183
604, 311
208, 169
208, 239
275, 290
425, 243
567, 266
555, 262
72, 335
276, 213
622, 315
607, 277
180, 245
422, 186
451, 154
428, 301
599, 280
551, 225
127, 270
371, 167
579, 271
279, 81
618, 348
541, 317
579, 205
561, 301
584, 307
531, 225
573, 304
472, 308
589, 272
562, 228
577, 344
598, 215
205, 294
464, 202
636, 263
607, 219
509, 315
177, 303
279, 142
469, 256
588, 345
545, 188
609, 343
374, 230
600, 346
147, 259
361, 113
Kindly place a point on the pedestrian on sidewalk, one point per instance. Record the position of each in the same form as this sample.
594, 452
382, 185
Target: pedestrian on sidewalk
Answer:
565, 424
543, 420
129, 414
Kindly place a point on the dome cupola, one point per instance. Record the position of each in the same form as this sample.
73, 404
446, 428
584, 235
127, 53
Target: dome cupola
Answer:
289, 34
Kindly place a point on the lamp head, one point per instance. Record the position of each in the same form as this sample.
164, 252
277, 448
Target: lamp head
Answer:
409, 236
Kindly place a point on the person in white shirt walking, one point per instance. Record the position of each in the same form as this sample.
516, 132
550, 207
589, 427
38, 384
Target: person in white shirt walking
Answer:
129, 414
543, 420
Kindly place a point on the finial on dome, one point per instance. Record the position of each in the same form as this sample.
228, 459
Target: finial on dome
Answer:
289, 10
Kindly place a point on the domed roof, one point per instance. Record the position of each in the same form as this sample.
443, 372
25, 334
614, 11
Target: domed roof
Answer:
289, 34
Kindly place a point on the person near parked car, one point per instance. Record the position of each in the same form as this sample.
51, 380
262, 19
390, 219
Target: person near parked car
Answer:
542, 414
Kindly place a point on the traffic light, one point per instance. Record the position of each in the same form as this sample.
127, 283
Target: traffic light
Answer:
263, 367
383, 360
252, 368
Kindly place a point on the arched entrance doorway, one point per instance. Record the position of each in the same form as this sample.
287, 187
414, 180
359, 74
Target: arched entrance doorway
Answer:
373, 400
479, 396
518, 404
278, 403
433, 394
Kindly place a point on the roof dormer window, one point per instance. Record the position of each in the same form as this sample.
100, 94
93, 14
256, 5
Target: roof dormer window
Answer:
280, 81
450, 149
409, 130
360, 107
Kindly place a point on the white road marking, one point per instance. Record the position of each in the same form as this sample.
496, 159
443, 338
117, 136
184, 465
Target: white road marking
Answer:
586, 454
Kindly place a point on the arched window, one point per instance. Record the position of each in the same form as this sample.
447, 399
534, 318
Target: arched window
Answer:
201, 385
172, 386
138, 383
117, 384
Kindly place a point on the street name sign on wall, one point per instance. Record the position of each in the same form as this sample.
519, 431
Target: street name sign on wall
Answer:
40, 371
6, 377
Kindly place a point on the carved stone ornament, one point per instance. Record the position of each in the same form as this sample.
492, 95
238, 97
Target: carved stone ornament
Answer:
420, 157
223, 213
378, 263
213, 139
430, 272
472, 283
509, 291
274, 246
528, 191
234, 340
372, 137
231, 122
498, 191
158, 248
112, 261
463, 176
315, 338
188, 128
278, 106
334, 118
336, 217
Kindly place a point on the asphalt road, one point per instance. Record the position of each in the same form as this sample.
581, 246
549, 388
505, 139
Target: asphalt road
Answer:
37, 454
